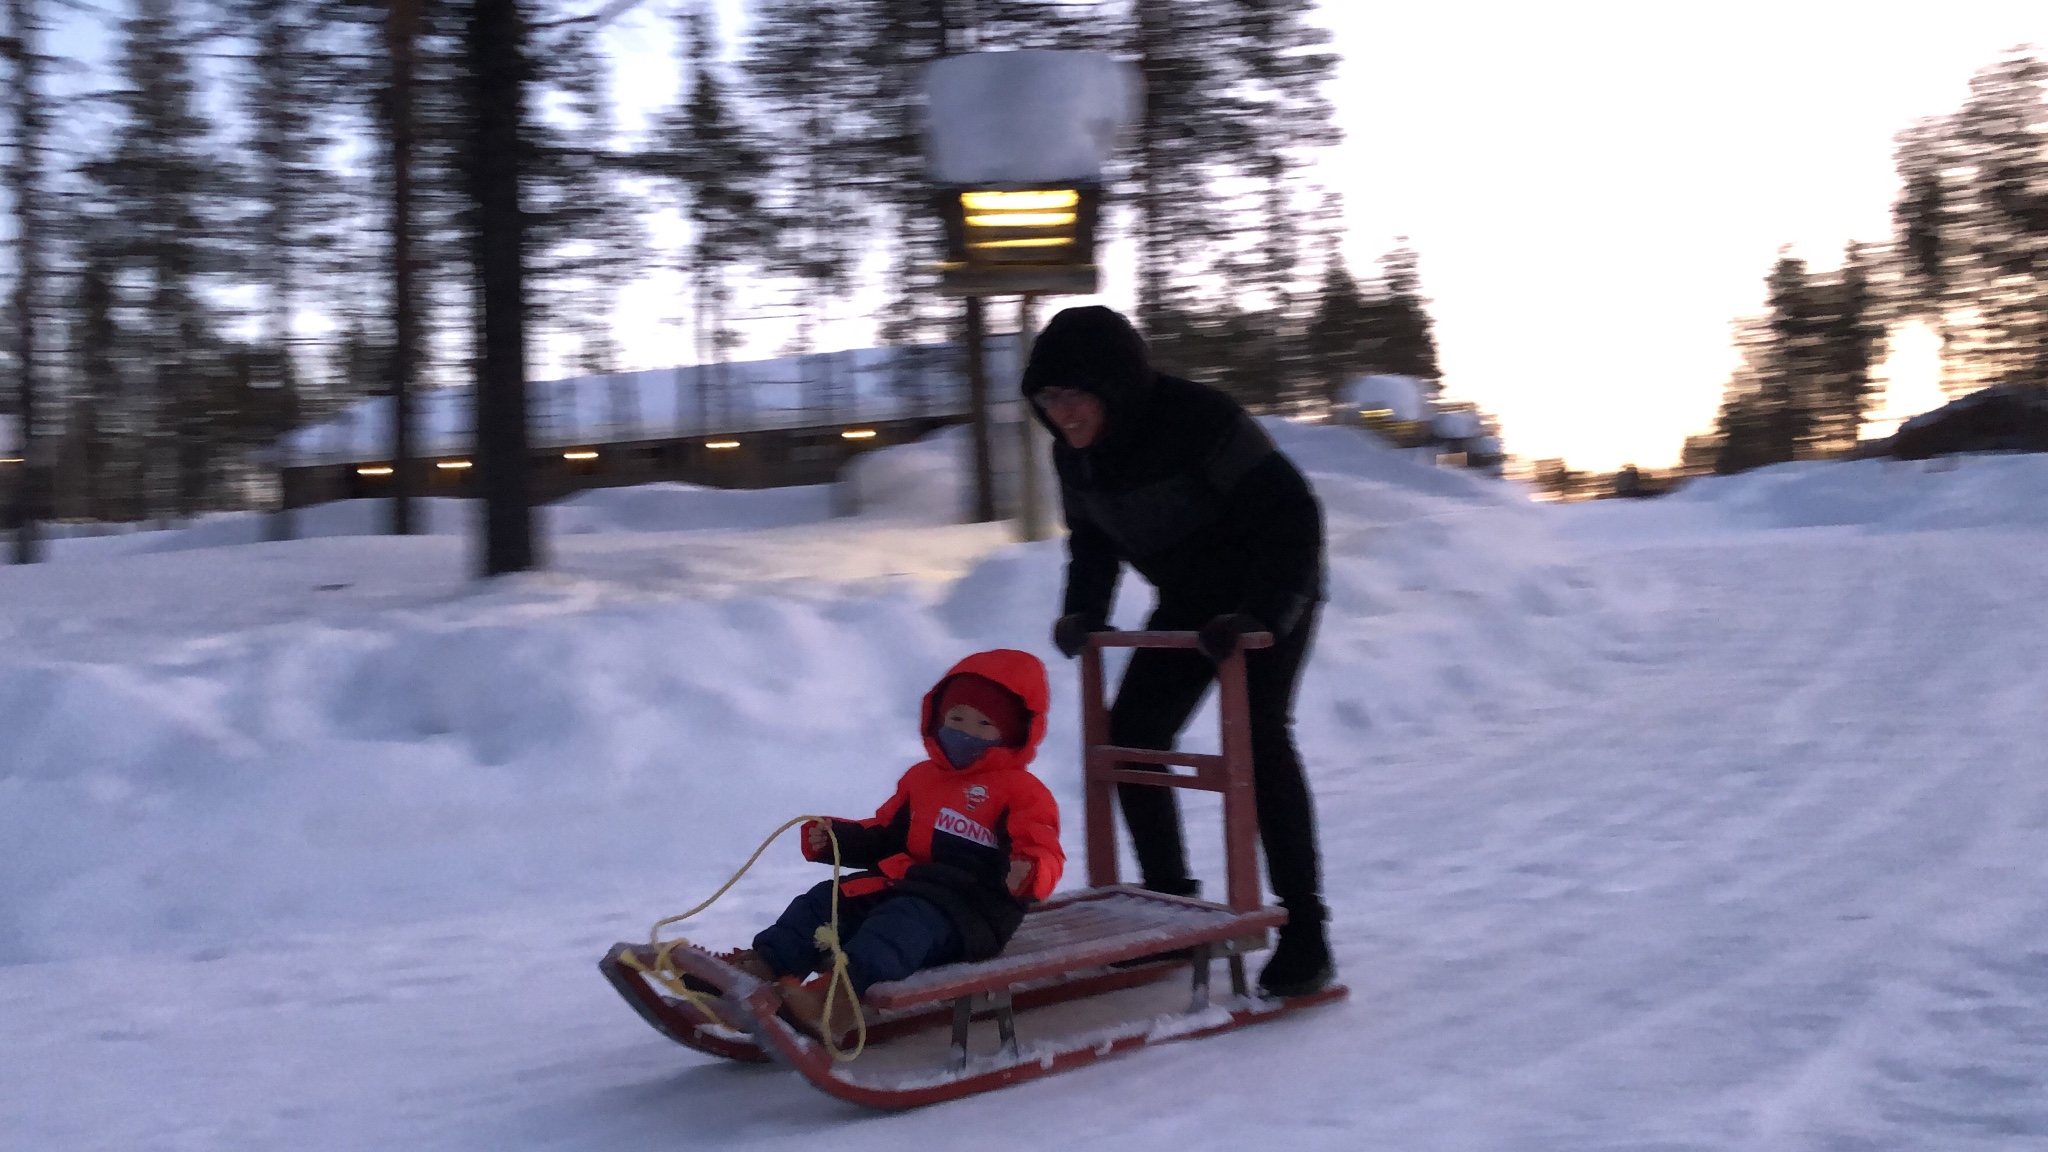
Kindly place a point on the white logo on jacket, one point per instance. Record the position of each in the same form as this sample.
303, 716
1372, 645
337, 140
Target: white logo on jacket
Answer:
966, 829
976, 797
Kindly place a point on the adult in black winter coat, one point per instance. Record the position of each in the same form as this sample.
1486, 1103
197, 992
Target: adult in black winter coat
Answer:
1176, 480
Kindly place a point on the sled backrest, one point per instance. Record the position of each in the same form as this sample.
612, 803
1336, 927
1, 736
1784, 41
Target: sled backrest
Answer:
1104, 766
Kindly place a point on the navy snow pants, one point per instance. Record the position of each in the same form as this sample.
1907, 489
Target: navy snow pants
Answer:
887, 936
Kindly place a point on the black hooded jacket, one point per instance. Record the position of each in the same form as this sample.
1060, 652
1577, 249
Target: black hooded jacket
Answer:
1183, 485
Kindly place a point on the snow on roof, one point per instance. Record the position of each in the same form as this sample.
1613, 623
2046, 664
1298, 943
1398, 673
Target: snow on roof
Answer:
1456, 425
1029, 117
2016, 394
871, 384
1402, 396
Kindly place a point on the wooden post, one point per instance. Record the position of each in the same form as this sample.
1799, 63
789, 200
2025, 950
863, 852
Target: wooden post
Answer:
1031, 518
1240, 802
1099, 793
977, 409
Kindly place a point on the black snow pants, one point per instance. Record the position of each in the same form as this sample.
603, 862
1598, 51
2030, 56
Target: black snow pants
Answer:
1161, 689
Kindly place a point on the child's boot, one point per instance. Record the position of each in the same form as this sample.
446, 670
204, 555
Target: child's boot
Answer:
805, 1004
749, 961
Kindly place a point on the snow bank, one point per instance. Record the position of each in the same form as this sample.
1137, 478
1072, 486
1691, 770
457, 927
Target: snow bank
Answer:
688, 507
210, 745
921, 481
434, 516
1884, 495
645, 508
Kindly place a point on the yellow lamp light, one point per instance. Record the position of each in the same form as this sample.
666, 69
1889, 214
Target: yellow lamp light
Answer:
1042, 201
1021, 220
1026, 242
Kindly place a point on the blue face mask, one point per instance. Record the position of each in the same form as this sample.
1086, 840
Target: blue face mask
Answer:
963, 749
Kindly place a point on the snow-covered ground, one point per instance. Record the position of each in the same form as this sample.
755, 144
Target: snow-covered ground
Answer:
1712, 822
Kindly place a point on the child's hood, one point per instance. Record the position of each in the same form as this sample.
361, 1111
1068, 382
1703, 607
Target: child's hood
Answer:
1021, 673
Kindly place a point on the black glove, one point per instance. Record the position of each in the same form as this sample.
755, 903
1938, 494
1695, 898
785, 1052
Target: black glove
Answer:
1219, 638
1070, 635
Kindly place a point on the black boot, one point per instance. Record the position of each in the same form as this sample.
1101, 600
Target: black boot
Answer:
1300, 964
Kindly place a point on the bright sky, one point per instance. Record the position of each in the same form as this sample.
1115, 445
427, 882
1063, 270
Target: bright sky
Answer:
1597, 190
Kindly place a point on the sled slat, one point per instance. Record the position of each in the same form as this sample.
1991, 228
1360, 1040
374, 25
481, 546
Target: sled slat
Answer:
1087, 930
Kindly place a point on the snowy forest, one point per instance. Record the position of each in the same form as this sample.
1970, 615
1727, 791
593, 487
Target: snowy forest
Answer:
248, 213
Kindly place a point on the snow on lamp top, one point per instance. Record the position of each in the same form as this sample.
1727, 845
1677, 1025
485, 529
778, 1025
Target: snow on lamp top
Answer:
1387, 397
1028, 117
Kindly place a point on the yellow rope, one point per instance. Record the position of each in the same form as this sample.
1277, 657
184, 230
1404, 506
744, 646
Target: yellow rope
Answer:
665, 973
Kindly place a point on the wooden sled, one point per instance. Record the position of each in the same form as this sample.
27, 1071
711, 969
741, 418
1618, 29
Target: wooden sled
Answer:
1055, 996
730, 1034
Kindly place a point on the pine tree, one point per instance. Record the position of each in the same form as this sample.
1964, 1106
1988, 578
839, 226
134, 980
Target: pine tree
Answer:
1746, 428
1791, 382
399, 105
282, 95
1186, 127
104, 486
717, 170
583, 233
25, 180
1342, 341
1805, 386
1971, 226
1233, 100
160, 190
1854, 338
1398, 327
805, 70
1283, 57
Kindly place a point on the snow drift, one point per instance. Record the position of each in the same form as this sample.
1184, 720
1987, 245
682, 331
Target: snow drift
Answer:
406, 744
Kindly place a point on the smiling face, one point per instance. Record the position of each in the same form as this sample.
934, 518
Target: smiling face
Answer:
1078, 415
968, 719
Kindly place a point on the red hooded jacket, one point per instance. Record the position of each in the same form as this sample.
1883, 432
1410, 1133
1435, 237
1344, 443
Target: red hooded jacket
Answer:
949, 834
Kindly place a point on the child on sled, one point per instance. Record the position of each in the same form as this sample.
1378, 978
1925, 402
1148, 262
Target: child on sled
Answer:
947, 866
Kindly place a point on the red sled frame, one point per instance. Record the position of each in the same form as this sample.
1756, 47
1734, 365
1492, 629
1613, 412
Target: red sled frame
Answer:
1050, 968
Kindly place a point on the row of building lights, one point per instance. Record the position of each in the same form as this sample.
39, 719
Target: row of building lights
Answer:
579, 454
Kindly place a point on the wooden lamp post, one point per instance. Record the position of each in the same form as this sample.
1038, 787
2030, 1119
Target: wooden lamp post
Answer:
1016, 144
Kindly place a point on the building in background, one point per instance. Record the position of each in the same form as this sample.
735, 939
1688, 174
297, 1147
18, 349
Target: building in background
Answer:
769, 427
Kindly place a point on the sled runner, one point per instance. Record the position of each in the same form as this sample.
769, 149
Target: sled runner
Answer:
1053, 994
